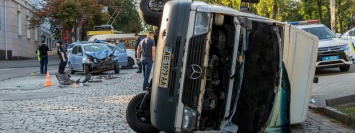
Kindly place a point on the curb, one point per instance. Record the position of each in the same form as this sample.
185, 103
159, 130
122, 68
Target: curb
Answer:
334, 114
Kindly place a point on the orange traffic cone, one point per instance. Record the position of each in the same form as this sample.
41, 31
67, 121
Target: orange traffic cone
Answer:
48, 80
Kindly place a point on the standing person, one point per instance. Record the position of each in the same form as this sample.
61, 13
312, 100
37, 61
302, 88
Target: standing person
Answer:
43, 52
63, 57
146, 50
135, 49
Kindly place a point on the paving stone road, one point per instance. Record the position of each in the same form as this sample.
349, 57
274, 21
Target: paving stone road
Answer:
27, 106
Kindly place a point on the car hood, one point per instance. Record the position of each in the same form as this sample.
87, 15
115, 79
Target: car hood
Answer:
100, 54
332, 42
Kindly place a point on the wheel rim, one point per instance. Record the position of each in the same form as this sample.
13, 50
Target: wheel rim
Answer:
130, 63
141, 117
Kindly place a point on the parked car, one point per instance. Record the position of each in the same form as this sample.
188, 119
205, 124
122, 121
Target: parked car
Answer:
332, 51
350, 36
93, 57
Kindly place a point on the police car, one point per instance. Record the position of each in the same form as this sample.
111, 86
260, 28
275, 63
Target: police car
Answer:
332, 51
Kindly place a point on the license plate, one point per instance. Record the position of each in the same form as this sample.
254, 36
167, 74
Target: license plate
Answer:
165, 68
330, 58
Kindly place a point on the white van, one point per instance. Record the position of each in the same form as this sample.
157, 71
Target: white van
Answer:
217, 69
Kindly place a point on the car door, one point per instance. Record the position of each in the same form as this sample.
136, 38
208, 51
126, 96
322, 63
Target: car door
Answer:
73, 56
120, 52
79, 58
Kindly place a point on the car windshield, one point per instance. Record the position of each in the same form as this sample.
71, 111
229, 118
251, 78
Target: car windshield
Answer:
96, 48
320, 32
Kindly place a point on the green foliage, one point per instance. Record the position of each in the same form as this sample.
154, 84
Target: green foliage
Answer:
72, 13
128, 20
292, 10
349, 110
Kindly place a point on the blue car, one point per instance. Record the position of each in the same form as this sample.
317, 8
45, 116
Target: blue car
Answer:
93, 57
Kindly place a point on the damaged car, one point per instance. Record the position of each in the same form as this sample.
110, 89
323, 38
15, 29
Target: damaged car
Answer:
94, 58
217, 69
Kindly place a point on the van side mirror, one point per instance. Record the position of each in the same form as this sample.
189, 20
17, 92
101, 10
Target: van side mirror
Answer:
337, 35
315, 80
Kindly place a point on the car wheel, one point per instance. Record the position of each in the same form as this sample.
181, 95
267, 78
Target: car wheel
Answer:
344, 68
71, 68
130, 64
138, 121
116, 67
148, 16
86, 69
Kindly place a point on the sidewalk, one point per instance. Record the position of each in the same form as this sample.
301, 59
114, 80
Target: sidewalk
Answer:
52, 60
334, 86
331, 87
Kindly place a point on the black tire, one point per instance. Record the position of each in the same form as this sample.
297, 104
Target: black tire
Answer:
134, 121
71, 68
116, 67
130, 63
148, 16
86, 69
344, 68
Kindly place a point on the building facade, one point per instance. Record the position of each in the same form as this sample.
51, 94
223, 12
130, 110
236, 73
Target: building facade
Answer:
18, 41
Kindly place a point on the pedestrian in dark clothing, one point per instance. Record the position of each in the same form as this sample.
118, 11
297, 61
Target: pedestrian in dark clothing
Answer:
62, 53
146, 50
135, 49
43, 52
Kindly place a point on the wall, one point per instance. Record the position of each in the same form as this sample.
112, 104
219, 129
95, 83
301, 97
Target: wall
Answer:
20, 45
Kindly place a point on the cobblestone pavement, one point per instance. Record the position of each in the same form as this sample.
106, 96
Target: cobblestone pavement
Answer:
316, 123
27, 106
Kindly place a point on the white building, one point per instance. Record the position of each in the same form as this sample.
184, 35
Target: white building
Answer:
17, 40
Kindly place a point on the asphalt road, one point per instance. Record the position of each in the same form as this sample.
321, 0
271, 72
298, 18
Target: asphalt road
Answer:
333, 71
9, 73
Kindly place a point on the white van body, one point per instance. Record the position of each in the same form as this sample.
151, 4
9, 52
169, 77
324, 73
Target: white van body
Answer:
192, 38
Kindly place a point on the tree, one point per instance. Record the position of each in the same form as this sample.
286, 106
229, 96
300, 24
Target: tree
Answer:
67, 14
128, 20
343, 14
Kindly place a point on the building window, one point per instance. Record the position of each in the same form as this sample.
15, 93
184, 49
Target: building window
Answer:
19, 23
28, 31
36, 34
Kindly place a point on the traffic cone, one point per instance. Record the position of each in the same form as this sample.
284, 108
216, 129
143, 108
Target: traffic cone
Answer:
48, 80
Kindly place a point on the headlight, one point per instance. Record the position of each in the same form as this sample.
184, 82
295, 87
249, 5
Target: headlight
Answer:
201, 23
189, 119
344, 47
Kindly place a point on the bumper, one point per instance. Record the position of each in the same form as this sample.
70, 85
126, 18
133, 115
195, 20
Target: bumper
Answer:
343, 59
333, 63
101, 66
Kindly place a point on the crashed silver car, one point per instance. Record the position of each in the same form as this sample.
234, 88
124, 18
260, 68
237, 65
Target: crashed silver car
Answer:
94, 58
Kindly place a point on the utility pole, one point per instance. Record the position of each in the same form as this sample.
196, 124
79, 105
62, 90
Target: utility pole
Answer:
332, 15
